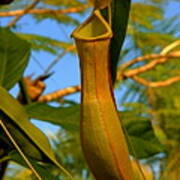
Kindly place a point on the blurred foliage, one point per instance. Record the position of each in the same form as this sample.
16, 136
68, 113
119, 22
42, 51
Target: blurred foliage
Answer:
60, 18
151, 116
42, 43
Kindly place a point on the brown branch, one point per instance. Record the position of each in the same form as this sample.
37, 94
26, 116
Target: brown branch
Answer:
26, 10
158, 83
74, 89
151, 65
163, 54
44, 11
142, 58
161, 58
59, 94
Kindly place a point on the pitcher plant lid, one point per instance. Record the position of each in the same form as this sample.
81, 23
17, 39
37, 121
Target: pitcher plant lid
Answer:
94, 28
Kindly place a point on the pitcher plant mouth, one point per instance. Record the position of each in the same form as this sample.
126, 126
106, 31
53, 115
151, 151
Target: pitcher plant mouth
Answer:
93, 29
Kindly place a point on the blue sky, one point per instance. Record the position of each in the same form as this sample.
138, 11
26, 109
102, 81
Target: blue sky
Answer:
67, 70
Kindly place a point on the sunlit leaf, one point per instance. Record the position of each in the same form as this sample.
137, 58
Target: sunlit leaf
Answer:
29, 137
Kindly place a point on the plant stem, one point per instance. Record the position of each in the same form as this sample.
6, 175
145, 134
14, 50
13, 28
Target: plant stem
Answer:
25, 97
3, 168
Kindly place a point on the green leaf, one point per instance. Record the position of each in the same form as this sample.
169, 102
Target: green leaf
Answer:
67, 117
32, 140
142, 141
144, 148
14, 56
120, 15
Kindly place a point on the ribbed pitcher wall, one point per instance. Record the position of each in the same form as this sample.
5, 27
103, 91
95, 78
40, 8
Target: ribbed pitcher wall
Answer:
102, 138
